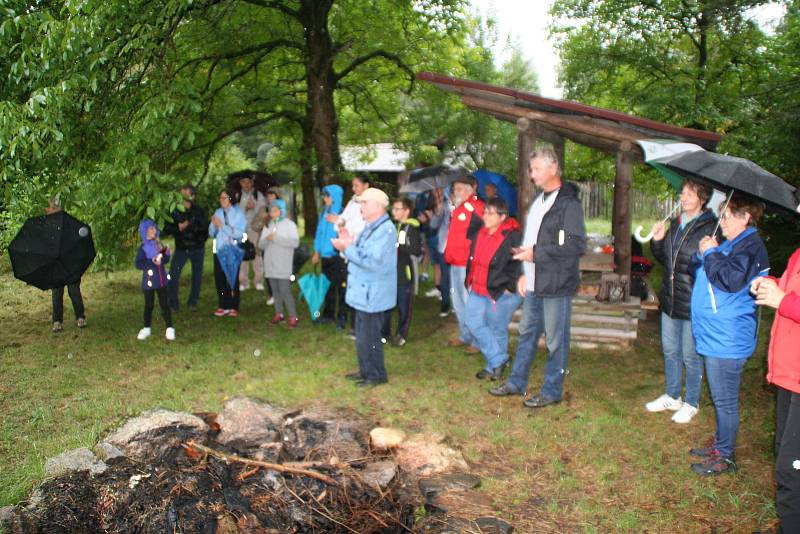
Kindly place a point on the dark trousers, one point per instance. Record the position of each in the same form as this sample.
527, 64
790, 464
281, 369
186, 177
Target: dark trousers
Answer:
787, 447
405, 292
335, 269
179, 259
149, 304
74, 291
369, 348
227, 296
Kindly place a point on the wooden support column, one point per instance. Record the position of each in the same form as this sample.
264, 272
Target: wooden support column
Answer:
526, 144
558, 147
621, 215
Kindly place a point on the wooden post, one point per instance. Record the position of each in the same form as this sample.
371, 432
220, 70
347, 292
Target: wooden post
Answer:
558, 147
526, 144
621, 215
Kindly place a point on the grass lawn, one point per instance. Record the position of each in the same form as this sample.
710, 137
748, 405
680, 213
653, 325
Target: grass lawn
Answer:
597, 462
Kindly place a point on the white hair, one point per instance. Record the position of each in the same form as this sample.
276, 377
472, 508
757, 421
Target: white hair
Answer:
548, 155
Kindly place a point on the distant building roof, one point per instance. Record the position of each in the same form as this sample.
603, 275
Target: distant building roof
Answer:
381, 157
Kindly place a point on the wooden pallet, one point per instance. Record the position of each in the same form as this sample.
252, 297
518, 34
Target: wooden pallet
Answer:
598, 324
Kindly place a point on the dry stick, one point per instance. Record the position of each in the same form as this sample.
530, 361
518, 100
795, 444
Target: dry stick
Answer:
246, 461
320, 512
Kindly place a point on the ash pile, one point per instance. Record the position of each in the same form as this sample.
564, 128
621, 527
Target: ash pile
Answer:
256, 468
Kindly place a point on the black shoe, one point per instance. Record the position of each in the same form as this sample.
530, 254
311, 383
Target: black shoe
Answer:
370, 383
483, 374
354, 376
497, 372
539, 401
715, 465
504, 390
323, 320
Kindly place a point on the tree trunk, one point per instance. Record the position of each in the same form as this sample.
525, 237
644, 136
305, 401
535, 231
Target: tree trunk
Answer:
320, 82
307, 181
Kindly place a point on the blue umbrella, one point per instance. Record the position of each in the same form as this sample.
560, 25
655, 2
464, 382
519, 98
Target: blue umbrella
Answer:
313, 288
230, 258
505, 189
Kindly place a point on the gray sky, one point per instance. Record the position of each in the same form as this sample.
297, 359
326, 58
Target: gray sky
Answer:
526, 21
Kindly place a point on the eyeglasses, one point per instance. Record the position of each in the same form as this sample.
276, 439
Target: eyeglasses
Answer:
224, 197
730, 215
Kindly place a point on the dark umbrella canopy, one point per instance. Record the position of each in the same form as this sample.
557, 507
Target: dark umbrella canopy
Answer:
262, 181
52, 251
429, 178
736, 174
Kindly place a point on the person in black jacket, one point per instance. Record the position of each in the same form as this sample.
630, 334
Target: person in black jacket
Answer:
492, 274
554, 241
190, 228
673, 247
409, 243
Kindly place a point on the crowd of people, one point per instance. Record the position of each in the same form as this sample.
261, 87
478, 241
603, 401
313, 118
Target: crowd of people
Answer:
487, 265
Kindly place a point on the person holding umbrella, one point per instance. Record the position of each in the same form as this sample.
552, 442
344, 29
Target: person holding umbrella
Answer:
227, 227
724, 321
74, 289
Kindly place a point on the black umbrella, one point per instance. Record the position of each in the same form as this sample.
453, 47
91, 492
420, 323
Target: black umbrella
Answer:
428, 178
740, 175
52, 251
262, 181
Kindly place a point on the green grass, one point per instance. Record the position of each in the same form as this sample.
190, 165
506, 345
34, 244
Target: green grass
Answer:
595, 463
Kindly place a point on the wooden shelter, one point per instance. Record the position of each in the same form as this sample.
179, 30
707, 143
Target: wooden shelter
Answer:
538, 118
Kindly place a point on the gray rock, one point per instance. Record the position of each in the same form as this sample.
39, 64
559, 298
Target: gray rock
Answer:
492, 525
8, 516
324, 433
106, 451
432, 486
379, 474
156, 433
75, 460
250, 422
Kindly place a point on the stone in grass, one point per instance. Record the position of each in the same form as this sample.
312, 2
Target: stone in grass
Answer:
426, 455
386, 438
156, 433
8, 516
379, 474
492, 525
432, 486
75, 460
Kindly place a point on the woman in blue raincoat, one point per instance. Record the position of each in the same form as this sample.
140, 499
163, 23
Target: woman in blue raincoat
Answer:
227, 228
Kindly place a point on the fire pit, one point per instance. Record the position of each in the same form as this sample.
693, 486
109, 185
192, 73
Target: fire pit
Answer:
253, 468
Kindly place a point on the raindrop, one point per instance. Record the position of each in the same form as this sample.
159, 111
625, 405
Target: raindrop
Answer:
83, 231
69, 355
257, 353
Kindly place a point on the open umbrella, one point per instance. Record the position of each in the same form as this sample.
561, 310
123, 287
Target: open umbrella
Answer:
313, 288
739, 175
657, 149
505, 189
428, 178
52, 251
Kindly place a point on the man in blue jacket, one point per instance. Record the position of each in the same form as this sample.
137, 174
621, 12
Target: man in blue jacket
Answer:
371, 283
333, 266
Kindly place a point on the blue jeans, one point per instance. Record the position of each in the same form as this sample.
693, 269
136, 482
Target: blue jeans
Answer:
458, 298
724, 375
550, 315
677, 344
487, 321
176, 266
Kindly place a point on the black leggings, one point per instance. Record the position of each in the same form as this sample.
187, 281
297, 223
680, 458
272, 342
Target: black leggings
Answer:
163, 302
76, 298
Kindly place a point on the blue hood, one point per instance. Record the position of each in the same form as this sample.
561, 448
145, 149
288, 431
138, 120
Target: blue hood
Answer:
150, 246
326, 230
281, 205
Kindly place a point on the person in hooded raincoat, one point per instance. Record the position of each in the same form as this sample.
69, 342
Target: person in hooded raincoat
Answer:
333, 265
278, 241
228, 226
150, 259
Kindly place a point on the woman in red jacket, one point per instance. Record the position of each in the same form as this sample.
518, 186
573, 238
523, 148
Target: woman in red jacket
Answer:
784, 372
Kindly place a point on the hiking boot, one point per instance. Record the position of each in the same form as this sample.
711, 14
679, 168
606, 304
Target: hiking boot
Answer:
685, 414
292, 322
483, 374
277, 318
539, 401
58, 326
715, 465
81, 322
170, 334
144, 333
708, 449
664, 402
504, 390
497, 372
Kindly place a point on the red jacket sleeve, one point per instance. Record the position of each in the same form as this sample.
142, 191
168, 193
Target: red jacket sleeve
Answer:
790, 307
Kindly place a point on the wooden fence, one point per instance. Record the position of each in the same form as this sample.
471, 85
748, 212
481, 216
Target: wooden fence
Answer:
598, 201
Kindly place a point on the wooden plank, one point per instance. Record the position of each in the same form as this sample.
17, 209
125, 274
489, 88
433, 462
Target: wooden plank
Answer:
604, 319
594, 333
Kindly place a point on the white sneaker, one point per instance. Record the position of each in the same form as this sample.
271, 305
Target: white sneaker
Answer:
271, 301
170, 334
685, 414
259, 287
433, 292
143, 334
664, 402
244, 287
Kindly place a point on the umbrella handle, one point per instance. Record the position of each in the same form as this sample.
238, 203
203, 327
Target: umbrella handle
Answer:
637, 234
722, 212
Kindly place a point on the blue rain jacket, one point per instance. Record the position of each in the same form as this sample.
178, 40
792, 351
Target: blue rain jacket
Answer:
372, 268
326, 230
